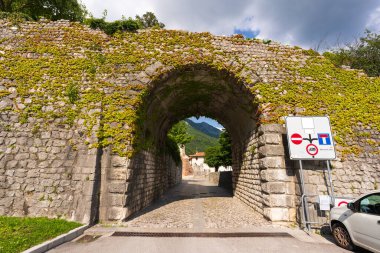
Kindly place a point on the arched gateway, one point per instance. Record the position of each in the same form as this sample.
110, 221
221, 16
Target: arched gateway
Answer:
84, 118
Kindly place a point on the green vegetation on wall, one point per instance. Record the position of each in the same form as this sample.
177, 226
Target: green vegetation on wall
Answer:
362, 54
75, 78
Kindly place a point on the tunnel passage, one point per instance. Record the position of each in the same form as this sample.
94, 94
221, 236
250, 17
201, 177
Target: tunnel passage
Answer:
174, 96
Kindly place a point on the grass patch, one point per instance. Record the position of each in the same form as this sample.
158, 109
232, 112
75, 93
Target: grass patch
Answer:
18, 234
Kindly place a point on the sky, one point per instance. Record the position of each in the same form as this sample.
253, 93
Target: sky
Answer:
317, 24
209, 121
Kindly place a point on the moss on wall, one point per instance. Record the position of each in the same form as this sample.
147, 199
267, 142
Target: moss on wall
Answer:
42, 62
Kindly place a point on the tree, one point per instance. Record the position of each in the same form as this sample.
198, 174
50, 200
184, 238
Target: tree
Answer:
225, 148
363, 54
177, 136
149, 20
220, 155
213, 157
178, 133
50, 9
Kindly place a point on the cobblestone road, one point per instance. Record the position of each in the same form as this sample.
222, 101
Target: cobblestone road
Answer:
197, 204
193, 206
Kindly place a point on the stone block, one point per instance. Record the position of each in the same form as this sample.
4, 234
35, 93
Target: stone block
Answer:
118, 161
116, 213
20, 173
271, 150
57, 163
272, 162
88, 188
45, 135
11, 164
29, 188
272, 128
273, 175
42, 156
7, 201
276, 214
274, 187
117, 187
116, 199
32, 164
46, 182
290, 188
86, 161
275, 139
59, 143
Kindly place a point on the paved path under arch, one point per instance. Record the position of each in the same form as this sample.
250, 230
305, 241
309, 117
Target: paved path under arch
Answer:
197, 206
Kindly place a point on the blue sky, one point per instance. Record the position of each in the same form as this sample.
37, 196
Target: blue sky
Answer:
210, 121
307, 23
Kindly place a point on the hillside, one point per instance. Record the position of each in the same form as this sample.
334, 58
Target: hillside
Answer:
204, 128
204, 134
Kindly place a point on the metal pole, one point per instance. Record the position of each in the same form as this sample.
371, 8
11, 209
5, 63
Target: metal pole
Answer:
330, 181
304, 203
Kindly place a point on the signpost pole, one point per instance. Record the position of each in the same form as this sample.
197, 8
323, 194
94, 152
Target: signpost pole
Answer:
330, 181
304, 203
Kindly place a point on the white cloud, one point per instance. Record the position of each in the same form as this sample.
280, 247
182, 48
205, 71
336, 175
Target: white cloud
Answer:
298, 22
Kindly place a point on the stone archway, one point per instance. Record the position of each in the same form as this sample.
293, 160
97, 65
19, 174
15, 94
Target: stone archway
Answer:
259, 175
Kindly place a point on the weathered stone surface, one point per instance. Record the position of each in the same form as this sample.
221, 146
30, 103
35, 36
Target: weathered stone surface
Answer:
48, 164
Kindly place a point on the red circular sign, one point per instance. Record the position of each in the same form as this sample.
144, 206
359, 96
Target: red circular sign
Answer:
343, 203
296, 139
311, 149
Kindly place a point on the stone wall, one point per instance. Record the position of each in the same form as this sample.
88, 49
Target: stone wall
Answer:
51, 160
45, 173
128, 185
265, 182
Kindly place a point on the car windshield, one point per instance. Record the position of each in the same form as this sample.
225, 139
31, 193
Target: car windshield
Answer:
370, 204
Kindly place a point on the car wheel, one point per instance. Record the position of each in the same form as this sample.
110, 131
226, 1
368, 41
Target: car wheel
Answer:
342, 237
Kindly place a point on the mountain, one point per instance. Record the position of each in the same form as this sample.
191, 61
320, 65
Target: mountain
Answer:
204, 134
205, 128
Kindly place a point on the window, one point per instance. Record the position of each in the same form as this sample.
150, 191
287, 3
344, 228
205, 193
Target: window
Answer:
370, 204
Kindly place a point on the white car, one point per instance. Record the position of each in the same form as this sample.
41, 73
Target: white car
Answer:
358, 223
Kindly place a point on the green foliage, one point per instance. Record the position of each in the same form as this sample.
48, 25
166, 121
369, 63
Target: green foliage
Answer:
267, 42
72, 93
15, 17
178, 133
18, 234
225, 148
317, 86
149, 20
50, 9
173, 149
200, 141
111, 28
213, 157
364, 54
220, 155
310, 52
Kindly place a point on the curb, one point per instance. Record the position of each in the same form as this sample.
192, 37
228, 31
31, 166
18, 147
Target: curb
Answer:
48, 245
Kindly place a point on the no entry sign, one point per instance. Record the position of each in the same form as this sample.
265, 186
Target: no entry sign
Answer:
296, 138
310, 138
